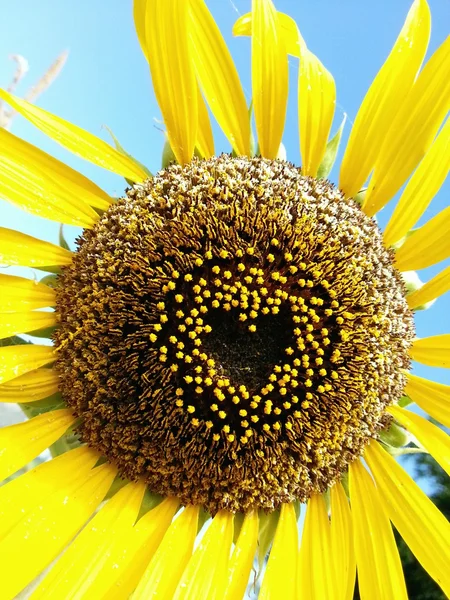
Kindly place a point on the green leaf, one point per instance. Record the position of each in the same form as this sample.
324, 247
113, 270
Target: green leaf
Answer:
331, 152
62, 240
404, 401
121, 149
14, 340
267, 528
168, 157
395, 436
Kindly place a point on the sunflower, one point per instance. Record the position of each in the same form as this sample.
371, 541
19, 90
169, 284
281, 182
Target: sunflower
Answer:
232, 338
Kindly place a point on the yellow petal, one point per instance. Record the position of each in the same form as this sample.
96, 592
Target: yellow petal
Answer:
163, 573
288, 30
20, 443
432, 397
18, 360
139, 8
77, 140
205, 140
34, 385
433, 351
242, 558
427, 246
316, 90
316, 102
19, 293
206, 573
436, 287
317, 575
419, 522
342, 547
412, 130
41, 185
26, 251
87, 560
22, 494
12, 323
218, 77
380, 572
280, 578
384, 98
137, 548
436, 441
172, 73
269, 77
421, 188
45, 531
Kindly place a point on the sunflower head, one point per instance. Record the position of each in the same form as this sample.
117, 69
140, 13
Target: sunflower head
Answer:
233, 336
232, 332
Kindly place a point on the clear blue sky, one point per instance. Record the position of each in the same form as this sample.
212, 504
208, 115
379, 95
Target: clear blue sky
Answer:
106, 81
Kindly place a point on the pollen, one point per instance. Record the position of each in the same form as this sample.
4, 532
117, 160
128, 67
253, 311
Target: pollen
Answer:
231, 333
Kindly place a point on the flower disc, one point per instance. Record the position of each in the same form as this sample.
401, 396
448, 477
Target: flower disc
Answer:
231, 333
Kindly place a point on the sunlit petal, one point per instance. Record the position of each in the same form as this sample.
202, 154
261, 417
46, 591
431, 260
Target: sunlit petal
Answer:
419, 522
172, 70
427, 246
77, 140
380, 572
17, 248
269, 77
384, 98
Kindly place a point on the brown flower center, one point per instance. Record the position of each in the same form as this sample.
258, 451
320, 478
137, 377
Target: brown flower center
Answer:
231, 332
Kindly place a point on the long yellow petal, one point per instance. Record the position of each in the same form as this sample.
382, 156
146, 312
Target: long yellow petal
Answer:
280, 578
77, 140
436, 287
317, 575
205, 575
421, 188
74, 190
21, 495
433, 351
218, 77
380, 572
26, 251
133, 553
419, 522
23, 554
139, 9
172, 73
288, 30
20, 443
316, 91
12, 323
18, 360
28, 181
269, 77
427, 246
163, 573
342, 547
19, 293
242, 558
432, 397
384, 98
436, 441
205, 139
86, 560
316, 102
33, 386
412, 130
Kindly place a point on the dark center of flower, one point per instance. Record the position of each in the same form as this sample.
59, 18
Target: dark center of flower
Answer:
231, 332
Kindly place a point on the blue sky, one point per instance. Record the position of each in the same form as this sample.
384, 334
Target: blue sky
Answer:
106, 82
